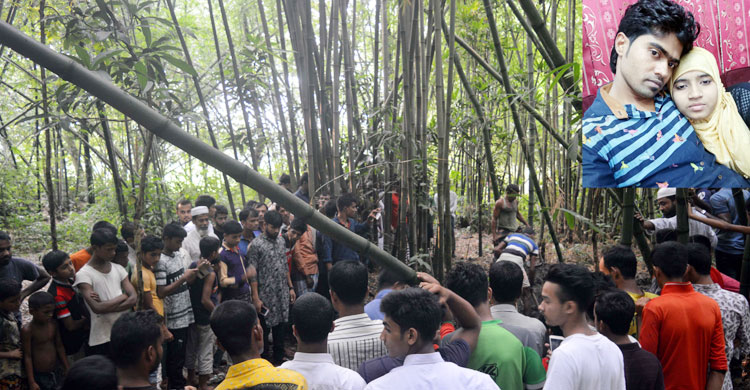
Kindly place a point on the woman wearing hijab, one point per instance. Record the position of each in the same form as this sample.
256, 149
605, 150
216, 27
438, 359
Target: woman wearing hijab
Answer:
699, 94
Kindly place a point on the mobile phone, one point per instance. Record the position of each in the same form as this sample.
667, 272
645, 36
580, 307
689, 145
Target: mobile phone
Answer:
264, 311
554, 342
204, 270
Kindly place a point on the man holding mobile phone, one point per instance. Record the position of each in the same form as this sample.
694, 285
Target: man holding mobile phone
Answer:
585, 360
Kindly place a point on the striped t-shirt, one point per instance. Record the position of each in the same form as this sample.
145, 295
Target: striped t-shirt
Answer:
177, 306
356, 339
624, 146
521, 244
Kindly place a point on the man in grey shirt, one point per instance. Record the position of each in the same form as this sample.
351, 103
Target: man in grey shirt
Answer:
505, 281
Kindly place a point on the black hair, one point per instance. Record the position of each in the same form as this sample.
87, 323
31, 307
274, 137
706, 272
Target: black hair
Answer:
273, 218
285, 179
665, 235
40, 298
127, 230
415, 308
261, 204
251, 204
702, 240
54, 259
209, 245
221, 209
122, 246
345, 200
94, 372
512, 188
151, 243
657, 17
469, 281
576, 284
232, 227
103, 236
4, 236
671, 257
602, 284
173, 230
529, 231
205, 200
232, 323
247, 213
105, 225
299, 225
303, 179
388, 278
330, 209
699, 258
506, 280
312, 315
616, 309
132, 334
622, 258
183, 202
9, 288
348, 279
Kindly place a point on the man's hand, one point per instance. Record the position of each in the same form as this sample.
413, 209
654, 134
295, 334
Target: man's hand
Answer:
640, 304
191, 274
34, 386
95, 296
15, 354
639, 218
374, 213
438, 290
258, 305
309, 281
427, 278
292, 295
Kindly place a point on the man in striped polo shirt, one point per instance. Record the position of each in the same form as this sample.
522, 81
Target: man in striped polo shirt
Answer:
517, 248
633, 134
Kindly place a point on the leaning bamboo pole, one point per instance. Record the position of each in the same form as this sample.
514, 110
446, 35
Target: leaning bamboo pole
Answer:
161, 126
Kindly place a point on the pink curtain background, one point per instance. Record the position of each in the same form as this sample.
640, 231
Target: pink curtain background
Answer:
724, 32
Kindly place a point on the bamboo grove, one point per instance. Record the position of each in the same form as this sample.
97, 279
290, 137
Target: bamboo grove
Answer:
418, 98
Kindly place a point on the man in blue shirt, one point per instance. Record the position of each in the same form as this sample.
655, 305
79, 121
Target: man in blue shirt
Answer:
347, 211
633, 134
731, 245
387, 282
303, 192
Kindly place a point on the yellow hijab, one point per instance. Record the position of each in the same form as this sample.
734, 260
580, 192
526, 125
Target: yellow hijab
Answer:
723, 133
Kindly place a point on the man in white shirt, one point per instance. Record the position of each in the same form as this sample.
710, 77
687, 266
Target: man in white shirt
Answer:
585, 360
210, 203
356, 338
412, 320
666, 199
312, 319
191, 244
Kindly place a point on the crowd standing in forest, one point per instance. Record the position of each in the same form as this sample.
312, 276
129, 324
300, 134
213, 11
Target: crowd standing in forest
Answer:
216, 290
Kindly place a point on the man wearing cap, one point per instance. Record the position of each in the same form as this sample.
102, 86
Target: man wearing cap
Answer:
666, 199
192, 242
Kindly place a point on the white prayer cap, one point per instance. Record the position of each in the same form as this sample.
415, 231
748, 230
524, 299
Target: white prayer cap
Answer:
666, 192
198, 210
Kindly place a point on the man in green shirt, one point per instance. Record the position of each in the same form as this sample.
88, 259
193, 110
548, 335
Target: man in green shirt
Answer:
499, 353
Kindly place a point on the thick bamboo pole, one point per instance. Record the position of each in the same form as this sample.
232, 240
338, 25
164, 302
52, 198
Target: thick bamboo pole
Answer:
161, 126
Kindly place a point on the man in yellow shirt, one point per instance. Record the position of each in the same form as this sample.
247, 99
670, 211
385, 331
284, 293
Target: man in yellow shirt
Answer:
619, 262
150, 253
238, 331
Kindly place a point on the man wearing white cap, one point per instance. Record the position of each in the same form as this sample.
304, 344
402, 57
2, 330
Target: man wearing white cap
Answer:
666, 199
192, 242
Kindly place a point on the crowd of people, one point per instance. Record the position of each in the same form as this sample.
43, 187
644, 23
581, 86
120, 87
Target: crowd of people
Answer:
171, 310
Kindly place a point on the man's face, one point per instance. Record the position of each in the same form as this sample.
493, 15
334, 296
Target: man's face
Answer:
351, 210
43, 314
511, 196
285, 215
395, 341
272, 232
666, 206
695, 94
105, 252
261, 210
251, 223
172, 244
646, 63
322, 200
151, 258
11, 304
201, 223
551, 306
232, 239
219, 220
65, 271
212, 211
292, 235
5, 252
183, 212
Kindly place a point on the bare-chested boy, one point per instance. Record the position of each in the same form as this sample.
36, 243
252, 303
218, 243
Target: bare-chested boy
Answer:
43, 351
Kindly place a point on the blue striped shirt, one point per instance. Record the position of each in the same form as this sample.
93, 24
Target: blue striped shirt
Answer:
624, 146
521, 243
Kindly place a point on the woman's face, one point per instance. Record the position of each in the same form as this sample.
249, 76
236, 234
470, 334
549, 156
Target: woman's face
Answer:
695, 94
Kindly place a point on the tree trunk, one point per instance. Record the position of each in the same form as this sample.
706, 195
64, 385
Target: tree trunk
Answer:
683, 228
47, 137
295, 174
122, 206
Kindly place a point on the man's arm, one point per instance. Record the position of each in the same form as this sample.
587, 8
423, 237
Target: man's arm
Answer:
717, 358
646, 225
720, 224
462, 310
208, 286
187, 277
41, 280
100, 307
129, 290
649, 336
27, 356
520, 217
60, 349
495, 215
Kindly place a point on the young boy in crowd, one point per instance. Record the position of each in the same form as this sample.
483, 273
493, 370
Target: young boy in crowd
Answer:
10, 337
42, 346
121, 256
105, 288
201, 339
151, 247
70, 311
234, 273
172, 285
